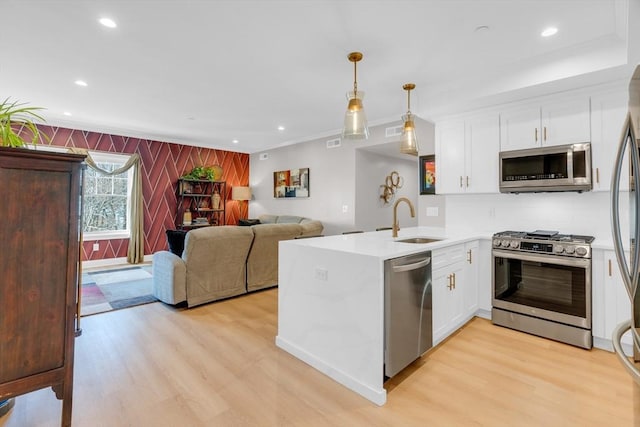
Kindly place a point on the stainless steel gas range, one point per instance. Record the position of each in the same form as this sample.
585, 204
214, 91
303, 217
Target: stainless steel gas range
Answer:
542, 284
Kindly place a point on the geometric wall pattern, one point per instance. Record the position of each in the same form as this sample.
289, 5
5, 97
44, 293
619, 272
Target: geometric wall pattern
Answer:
162, 164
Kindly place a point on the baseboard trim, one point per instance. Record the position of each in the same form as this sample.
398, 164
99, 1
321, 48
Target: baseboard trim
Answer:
110, 262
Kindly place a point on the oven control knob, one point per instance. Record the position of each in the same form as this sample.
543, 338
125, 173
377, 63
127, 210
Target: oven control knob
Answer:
505, 243
514, 244
558, 249
582, 251
496, 242
570, 249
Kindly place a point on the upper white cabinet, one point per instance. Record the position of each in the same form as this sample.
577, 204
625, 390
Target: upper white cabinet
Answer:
607, 119
565, 120
467, 155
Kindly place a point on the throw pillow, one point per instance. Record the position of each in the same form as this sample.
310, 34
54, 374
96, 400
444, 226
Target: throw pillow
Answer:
175, 238
248, 222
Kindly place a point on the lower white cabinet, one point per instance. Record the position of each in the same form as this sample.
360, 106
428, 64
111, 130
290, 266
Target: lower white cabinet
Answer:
455, 288
610, 302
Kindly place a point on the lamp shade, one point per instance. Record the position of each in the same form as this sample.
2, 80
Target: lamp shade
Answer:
355, 120
409, 143
241, 193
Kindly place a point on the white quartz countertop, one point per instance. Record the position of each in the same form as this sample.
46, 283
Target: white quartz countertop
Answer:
382, 245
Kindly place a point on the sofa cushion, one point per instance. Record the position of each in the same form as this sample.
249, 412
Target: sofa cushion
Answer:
311, 227
268, 219
288, 219
175, 239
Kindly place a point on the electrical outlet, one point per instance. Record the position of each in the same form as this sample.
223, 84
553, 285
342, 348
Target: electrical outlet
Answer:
345, 208
96, 246
322, 274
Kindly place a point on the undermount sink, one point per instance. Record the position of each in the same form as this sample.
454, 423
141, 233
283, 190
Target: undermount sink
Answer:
418, 240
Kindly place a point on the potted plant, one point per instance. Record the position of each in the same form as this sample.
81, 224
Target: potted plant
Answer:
201, 172
15, 117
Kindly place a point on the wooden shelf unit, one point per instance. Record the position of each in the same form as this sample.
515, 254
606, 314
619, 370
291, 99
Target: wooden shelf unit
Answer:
198, 196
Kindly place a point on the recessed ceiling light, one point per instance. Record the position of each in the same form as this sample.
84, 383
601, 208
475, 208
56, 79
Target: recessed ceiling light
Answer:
66, 113
547, 32
481, 29
280, 127
235, 141
107, 22
81, 83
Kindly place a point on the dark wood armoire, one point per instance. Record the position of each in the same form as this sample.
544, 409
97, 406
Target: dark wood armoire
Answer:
40, 206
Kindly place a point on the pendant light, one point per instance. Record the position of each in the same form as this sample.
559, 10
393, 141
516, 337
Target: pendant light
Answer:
409, 143
355, 121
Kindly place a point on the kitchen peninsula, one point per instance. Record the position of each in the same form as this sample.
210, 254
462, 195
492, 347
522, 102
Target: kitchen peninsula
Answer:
331, 298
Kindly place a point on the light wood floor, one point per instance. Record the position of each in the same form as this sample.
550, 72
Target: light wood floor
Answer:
217, 365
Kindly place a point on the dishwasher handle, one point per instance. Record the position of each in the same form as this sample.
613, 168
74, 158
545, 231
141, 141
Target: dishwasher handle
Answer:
413, 266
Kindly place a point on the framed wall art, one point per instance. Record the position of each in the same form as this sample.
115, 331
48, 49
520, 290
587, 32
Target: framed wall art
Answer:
292, 183
428, 174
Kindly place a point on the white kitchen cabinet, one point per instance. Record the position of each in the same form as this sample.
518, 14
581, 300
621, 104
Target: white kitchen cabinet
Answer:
455, 291
471, 277
617, 305
608, 114
565, 120
467, 155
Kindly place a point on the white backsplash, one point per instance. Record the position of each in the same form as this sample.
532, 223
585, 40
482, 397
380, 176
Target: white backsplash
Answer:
570, 213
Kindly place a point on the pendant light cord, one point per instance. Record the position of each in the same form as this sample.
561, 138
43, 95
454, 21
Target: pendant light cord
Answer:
355, 79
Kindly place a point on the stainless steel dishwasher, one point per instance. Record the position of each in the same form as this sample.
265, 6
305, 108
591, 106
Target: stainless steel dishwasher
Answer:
407, 310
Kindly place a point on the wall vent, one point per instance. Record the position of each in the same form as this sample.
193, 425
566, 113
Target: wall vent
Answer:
264, 156
334, 143
393, 131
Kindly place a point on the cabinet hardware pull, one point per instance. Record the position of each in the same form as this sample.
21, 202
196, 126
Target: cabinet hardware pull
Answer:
467, 180
609, 268
449, 279
598, 175
469, 256
536, 134
454, 280
545, 134
460, 181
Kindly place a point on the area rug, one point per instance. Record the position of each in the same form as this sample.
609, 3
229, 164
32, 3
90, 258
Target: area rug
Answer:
113, 289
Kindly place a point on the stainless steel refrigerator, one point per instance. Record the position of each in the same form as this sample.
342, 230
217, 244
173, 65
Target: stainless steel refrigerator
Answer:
630, 270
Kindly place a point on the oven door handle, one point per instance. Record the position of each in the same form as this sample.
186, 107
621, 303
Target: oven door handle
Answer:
556, 260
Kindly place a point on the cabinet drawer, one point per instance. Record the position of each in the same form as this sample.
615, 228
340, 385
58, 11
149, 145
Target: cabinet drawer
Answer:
447, 256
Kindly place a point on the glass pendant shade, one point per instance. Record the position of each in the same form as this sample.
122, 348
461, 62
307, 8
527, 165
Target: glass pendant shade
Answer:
409, 143
355, 119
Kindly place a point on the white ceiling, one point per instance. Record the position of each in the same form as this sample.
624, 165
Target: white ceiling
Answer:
208, 72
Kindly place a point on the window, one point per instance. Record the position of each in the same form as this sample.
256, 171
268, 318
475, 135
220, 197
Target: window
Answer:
107, 199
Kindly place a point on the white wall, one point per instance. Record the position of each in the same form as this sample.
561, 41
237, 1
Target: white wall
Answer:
333, 180
371, 171
567, 212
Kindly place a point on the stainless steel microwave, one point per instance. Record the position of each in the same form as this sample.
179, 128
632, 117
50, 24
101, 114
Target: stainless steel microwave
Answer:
556, 168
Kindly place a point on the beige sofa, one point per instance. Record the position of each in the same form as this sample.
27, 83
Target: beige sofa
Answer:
221, 262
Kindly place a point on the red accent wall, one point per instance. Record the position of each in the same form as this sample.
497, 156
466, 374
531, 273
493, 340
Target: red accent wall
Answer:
162, 164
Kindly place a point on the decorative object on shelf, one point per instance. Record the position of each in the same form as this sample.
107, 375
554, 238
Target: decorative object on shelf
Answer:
355, 120
392, 182
428, 174
14, 117
409, 143
186, 217
215, 199
291, 183
210, 173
